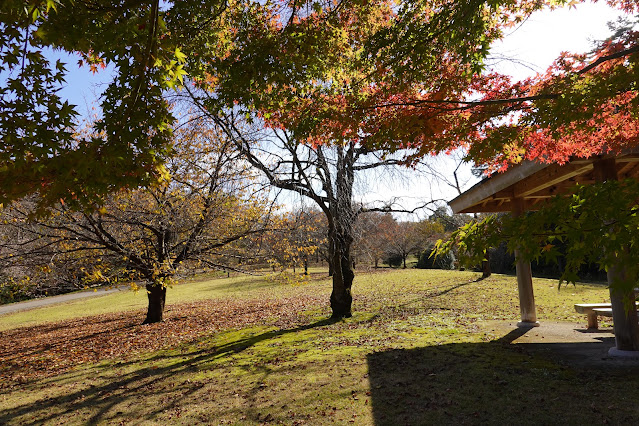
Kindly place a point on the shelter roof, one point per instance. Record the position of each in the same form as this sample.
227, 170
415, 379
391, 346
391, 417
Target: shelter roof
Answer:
534, 182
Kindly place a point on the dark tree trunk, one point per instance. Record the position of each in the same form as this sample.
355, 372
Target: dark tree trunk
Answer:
341, 218
331, 266
404, 261
624, 311
343, 275
156, 293
341, 298
305, 266
485, 266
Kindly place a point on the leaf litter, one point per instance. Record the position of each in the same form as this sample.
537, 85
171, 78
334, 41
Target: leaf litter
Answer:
46, 350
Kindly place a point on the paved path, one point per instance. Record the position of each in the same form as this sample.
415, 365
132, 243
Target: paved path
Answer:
37, 303
569, 343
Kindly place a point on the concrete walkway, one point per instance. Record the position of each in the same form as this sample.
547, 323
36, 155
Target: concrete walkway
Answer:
62, 298
568, 343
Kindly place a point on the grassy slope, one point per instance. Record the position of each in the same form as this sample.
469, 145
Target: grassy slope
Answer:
415, 352
236, 287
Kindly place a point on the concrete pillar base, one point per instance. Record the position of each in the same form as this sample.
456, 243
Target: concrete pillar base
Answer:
527, 324
618, 353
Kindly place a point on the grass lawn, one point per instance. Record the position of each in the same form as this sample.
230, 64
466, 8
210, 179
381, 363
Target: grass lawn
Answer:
418, 350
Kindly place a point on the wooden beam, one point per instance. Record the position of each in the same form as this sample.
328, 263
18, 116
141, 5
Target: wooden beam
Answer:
548, 177
604, 170
494, 184
538, 180
630, 158
627, 170
504, 205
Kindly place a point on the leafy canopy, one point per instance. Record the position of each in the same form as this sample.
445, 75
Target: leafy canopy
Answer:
144, 41
585, 105
327, 71
330, 72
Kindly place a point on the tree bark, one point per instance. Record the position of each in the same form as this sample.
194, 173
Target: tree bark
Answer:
624, 309
330, 255
624, 312
156, 293
341, 298
343, 275
485, 266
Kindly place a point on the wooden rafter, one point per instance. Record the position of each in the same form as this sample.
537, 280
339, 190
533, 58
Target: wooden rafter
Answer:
534, 182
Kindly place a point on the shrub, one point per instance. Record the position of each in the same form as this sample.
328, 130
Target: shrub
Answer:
394, 260
426, 261
14, 290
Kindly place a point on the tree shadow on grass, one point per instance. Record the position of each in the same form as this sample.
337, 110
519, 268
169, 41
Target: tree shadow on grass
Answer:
500, 382
453, 287
133, 384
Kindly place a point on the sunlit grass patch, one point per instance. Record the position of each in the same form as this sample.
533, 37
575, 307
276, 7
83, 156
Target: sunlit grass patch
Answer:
415, 351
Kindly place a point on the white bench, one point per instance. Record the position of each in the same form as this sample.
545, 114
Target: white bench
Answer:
592, 310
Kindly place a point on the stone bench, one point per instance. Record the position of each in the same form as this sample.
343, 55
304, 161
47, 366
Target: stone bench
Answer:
592, 310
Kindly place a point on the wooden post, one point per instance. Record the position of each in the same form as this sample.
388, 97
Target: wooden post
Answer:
624, 310
524, 280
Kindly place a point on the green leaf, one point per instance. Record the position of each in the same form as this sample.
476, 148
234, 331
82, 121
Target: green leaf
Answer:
181, 57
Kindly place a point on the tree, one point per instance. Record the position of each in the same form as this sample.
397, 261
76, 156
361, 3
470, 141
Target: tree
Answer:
373, 234
330, 80
348, 74
584, 105
200, 217
259, 55
326, 175
33, 266
404, 241
293, 238
442, 216
143, 41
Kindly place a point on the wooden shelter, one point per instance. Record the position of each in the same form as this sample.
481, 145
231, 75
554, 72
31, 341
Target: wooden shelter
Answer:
525, 187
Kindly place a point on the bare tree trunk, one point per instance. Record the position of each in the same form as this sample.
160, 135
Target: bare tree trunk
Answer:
331, 265
341, 234
156, 293
341, 298
485, 266
624, 309
343, 275
624, 312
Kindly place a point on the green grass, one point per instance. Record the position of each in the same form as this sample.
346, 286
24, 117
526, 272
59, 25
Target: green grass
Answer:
128, 300
416, 351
